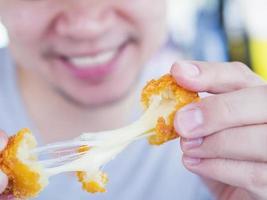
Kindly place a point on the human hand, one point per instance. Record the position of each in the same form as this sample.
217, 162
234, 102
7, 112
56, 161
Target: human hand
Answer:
224, 136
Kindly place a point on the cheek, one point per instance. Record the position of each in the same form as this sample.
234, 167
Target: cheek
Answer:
26, 24
150, 22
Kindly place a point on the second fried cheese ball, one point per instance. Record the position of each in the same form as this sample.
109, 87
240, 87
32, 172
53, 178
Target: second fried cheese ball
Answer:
26, 176
167, 89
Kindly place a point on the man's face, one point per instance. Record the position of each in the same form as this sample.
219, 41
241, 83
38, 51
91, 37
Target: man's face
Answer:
91, 51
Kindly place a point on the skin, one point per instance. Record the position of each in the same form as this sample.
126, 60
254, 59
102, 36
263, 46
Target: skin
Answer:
66, 28
224, 135
70, 29
233, 166
45, 34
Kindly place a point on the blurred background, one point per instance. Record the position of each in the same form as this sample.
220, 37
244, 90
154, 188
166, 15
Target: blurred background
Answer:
216, 30
221, 30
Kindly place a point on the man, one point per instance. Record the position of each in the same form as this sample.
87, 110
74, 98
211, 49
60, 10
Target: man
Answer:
76, 66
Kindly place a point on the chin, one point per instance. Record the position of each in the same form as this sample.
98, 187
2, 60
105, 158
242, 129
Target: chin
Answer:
112, 90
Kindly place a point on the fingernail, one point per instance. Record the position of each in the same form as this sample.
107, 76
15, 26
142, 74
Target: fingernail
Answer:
191, 161
188, 69
188, 120
191, 143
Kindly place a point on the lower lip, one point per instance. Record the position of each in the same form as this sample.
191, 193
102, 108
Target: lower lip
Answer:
94, 73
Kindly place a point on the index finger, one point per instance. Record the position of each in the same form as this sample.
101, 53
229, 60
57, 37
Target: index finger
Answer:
214, 77
219, 112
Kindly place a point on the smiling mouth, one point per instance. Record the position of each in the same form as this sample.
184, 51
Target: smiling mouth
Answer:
95, 66
84, 62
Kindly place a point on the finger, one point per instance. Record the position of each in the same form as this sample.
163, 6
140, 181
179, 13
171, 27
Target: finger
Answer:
219, 112
3, 140
3, 181
225, 192
247, 143
214, 77
247, 175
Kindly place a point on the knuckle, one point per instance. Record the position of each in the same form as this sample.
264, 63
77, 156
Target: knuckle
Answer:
239, 65
218, 142
218, 112
248, 77
225, 108
214, 105
243, 70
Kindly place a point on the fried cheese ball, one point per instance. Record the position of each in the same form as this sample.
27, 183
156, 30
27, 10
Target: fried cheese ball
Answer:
26, 176
167, 88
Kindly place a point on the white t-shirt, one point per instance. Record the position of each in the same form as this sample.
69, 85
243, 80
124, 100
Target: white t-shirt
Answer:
141, 172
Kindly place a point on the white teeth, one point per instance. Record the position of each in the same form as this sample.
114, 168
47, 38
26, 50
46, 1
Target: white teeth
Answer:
92, 61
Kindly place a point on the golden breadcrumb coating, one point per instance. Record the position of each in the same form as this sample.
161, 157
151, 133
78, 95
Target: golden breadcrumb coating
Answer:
94, 185
25, 178
167, 88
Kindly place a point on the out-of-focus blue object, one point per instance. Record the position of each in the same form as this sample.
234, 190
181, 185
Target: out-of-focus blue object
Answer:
196, 29
210, 42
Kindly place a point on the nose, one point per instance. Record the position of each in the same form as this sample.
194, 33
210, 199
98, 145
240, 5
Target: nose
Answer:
85, 19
